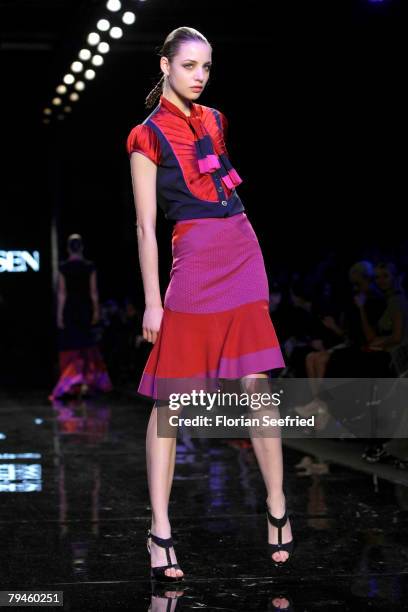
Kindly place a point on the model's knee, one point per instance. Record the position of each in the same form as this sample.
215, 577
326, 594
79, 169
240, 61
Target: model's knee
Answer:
255, 383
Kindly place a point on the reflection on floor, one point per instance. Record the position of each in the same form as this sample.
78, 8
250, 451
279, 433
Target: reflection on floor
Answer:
75, 510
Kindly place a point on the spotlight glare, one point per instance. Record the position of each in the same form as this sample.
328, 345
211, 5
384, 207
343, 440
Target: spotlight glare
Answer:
61, 89
47, 111
128, 18
103, 47
77, 66
67, 109
116, 32
90, 74
84, 54
93, 38
74, 96
56, 101
69, 79
113, 5
79, 86
97, 60
103, 25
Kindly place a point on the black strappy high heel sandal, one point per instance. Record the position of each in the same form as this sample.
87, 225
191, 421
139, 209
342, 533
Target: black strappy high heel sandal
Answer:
157, 573
273, 548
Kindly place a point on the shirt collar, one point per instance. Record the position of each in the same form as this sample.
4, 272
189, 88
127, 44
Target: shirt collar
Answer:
209, 159
194, 109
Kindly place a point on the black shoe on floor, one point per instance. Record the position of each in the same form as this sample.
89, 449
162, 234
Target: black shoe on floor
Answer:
158, 572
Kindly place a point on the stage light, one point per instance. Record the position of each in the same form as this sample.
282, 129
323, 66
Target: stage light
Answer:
116, 32
79, 86
103, 25
77, 66
69, 79
97, 60
93, 39
113, 5
103, 47
79, 69
84, 54
128, 18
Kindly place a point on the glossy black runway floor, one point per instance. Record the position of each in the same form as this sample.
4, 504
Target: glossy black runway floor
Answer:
75, 510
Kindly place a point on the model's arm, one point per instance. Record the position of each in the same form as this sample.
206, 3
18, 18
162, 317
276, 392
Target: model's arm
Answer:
61, 297
94, 297
144, 172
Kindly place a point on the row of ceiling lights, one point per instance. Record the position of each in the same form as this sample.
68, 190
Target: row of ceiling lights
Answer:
75, 80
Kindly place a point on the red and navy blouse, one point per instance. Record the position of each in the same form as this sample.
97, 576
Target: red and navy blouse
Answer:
195, 177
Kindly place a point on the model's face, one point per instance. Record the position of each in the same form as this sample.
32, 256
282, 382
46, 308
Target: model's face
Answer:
189, 68
383, 279
360, 283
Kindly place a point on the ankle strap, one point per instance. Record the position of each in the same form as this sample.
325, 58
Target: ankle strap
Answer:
277, 522
164, 542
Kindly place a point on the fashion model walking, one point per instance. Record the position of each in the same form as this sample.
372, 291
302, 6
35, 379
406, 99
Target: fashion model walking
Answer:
214, 321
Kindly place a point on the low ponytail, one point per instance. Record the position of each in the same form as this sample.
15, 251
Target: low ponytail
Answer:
154, 94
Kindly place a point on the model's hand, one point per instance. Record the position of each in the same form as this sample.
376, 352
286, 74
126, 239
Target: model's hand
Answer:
152, 319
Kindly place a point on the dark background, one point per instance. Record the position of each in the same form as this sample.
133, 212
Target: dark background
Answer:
313, 92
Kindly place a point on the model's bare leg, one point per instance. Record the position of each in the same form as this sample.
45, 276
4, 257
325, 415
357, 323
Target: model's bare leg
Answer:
268, 451
323, 359
160, 460
316, 365
310, 366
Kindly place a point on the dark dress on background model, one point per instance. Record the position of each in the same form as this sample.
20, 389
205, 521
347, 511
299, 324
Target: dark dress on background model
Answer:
80, 360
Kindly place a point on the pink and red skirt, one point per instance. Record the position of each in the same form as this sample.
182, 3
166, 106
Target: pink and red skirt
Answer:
216, 322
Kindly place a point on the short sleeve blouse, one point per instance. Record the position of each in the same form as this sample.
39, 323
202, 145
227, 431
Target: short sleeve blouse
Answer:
142, 139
